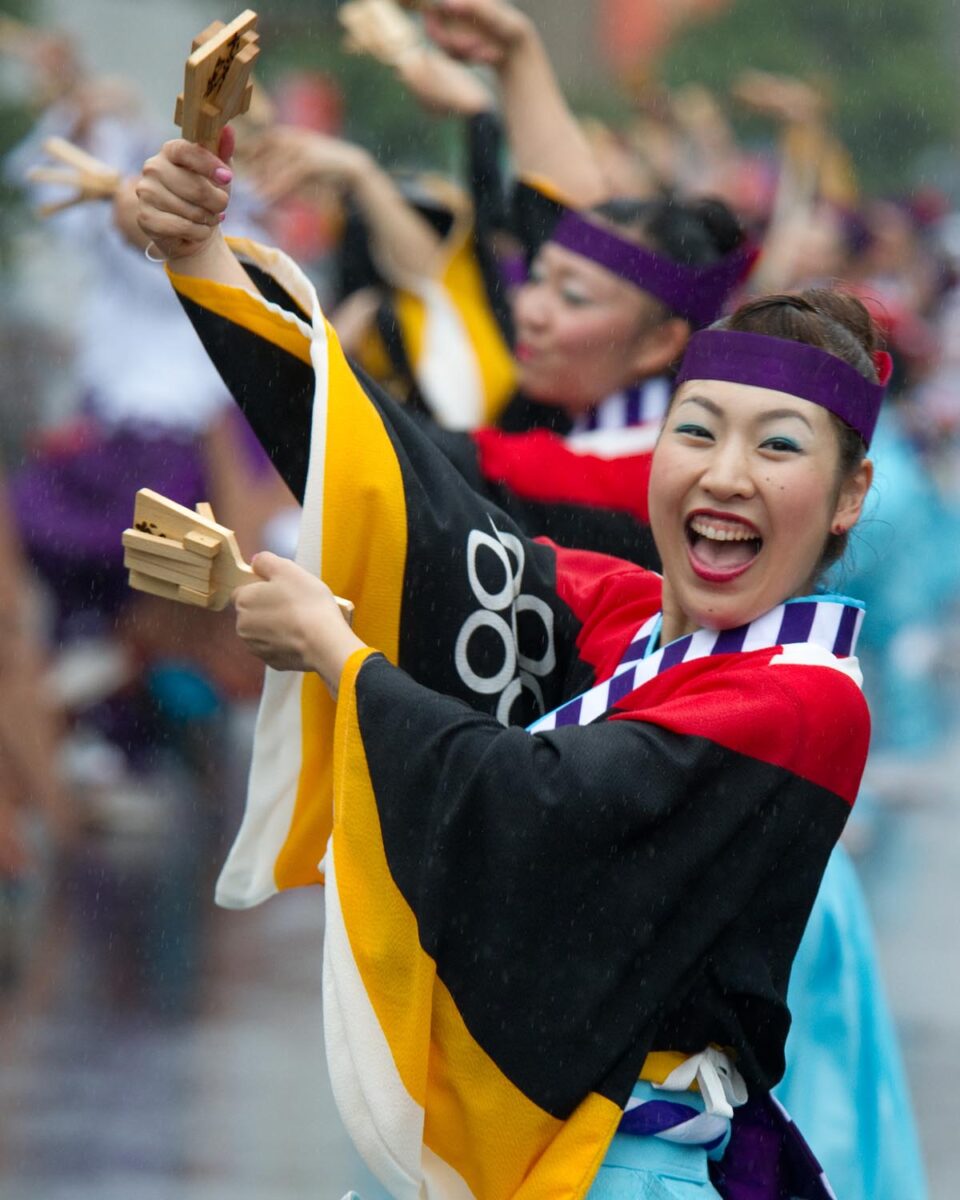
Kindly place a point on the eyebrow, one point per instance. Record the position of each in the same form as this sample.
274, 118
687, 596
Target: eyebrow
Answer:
773, 414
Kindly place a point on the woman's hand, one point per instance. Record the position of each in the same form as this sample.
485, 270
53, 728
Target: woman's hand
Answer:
478, 31
292, 621
285, 159
183, 196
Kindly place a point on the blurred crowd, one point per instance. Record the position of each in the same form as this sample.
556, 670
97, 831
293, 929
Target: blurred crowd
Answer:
118, 709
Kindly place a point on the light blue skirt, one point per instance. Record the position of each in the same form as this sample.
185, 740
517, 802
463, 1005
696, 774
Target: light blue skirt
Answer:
649, 1168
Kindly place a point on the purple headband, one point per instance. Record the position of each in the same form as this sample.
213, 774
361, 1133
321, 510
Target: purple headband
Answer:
697, 293
800, 370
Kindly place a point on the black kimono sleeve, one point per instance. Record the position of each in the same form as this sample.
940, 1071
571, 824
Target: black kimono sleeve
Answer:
475, 611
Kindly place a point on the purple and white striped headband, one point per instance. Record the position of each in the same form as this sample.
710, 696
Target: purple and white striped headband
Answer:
697, 293
760, 360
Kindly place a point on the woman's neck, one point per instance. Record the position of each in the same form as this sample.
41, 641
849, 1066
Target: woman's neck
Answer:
676, 623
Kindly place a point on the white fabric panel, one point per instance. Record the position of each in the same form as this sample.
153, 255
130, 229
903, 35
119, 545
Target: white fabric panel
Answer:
248, 877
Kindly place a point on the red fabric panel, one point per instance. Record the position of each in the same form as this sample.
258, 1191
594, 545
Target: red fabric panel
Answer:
540, 466
810, 720
610, 598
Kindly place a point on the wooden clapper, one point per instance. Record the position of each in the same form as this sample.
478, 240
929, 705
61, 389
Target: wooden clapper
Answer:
90, 178
174, 552
379, 28
216, 79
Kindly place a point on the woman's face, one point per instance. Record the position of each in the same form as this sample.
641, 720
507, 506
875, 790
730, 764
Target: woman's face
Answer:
744, 491
582, 333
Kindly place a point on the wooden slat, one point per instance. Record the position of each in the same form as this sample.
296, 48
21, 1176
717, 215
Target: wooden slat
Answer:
173, 572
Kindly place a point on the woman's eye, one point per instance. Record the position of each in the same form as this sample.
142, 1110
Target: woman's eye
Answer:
695, 431
781, 445
575, 299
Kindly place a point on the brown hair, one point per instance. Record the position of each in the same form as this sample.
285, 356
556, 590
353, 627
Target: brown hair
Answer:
832, 321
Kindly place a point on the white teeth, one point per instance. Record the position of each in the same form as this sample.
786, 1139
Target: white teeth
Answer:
703, 528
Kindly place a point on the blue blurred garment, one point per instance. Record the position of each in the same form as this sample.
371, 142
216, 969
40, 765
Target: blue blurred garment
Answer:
900, 563
845, 1085
648, 1168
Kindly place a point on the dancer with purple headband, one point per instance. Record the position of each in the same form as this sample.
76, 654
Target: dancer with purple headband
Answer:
556, 956
599, 323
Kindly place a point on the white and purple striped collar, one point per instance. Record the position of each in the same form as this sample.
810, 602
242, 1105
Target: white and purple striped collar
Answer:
637, 405
831, 622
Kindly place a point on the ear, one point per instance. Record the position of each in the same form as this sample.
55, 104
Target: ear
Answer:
853, 493
660, 346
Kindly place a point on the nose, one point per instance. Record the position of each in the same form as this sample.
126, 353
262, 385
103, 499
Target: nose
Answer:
727, 473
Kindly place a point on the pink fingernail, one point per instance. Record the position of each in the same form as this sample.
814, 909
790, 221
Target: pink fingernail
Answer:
222, 175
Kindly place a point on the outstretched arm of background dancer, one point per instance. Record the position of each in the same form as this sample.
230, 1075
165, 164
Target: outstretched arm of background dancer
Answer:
286, 159
545, 137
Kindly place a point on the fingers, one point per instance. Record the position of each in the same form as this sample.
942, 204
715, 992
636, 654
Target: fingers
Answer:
169, 203
458, 40
189, 173
268, 565
182, 194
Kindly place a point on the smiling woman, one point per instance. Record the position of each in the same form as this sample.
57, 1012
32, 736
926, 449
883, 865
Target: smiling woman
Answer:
571, 816
765, 482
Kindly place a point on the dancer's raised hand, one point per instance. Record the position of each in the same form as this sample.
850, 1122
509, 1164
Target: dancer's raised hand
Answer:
183, 195
477, 31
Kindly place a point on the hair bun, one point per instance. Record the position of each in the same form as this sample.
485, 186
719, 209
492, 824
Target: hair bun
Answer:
695, 233
833, 321
847, 311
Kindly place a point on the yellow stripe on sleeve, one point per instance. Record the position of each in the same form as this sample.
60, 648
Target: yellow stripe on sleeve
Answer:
249, 311
364, 550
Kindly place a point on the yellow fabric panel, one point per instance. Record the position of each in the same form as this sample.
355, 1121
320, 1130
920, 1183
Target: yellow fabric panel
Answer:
570, 1163
476, 1120
363, 558
463, 280
372, 355
243, 309
397, 975
513, 1147
411, 313
312, 821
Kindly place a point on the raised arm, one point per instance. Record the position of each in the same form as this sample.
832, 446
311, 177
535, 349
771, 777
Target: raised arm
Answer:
285, 160
546, 140
381, 29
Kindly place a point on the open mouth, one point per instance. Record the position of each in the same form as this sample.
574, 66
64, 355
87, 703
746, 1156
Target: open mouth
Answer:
721, 548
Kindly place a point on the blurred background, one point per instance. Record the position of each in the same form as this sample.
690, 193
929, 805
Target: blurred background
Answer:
150, 1044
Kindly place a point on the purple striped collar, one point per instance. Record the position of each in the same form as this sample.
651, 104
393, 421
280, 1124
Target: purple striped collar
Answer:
636, 405
831, 622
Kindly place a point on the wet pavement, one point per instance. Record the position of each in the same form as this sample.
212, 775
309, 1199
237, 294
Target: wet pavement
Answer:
103, 1094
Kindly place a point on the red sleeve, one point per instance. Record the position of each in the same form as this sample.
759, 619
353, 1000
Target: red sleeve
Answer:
811, 720
610, 598
541, 466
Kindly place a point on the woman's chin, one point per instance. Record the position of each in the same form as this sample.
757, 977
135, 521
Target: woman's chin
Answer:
551, 391
720, 612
